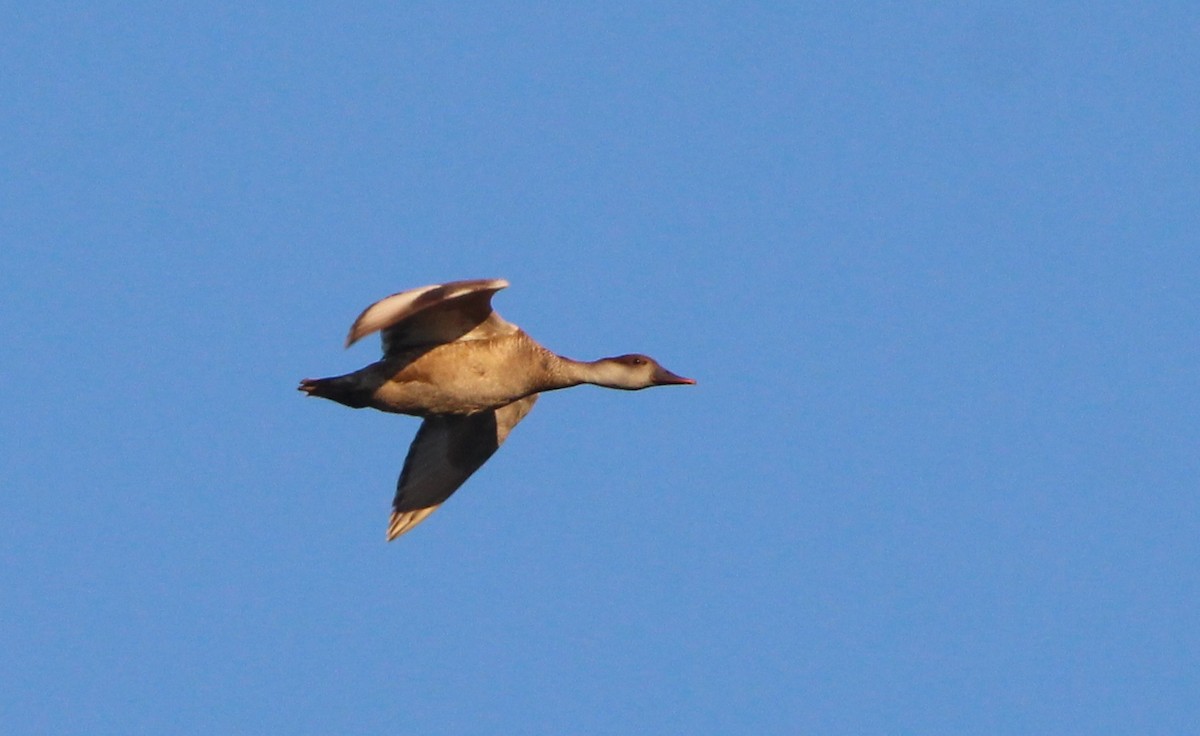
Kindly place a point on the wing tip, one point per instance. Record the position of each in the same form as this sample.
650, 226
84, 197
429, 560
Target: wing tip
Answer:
363, 326
403, 522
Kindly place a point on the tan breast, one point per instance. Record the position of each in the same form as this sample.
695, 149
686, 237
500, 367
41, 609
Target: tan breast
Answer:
462, 377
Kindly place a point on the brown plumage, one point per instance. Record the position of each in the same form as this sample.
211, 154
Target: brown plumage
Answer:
449, 358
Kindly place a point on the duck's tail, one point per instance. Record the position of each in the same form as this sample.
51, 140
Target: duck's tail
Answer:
342, 389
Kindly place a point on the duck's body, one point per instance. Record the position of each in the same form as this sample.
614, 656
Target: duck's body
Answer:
452, 378
452, 360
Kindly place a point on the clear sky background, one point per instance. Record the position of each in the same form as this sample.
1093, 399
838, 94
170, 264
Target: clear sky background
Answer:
934, 266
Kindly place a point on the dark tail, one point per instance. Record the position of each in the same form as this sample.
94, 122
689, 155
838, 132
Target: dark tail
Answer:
342, 389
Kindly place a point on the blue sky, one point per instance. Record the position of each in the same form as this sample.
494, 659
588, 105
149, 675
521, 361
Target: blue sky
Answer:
933, 265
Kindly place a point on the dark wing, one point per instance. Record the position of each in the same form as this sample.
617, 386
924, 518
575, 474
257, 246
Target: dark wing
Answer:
448, 448
431, 315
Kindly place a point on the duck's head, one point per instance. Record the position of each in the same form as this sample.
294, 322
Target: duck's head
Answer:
635, 371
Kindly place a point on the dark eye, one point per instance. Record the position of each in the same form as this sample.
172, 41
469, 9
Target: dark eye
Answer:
639, 361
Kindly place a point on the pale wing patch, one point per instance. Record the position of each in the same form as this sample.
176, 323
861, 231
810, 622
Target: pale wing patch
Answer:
445, 452
433, 314
385, 312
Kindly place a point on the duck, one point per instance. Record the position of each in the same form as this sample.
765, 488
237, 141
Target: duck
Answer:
470, 375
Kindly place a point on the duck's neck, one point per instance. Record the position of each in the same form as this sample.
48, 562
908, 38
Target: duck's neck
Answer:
568, 372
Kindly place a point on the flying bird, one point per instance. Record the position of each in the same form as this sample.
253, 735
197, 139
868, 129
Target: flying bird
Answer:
471, 375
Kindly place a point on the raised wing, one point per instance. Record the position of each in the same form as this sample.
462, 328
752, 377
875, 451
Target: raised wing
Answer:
448, 448
430, 315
